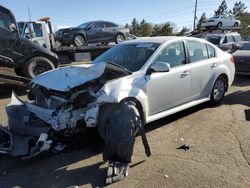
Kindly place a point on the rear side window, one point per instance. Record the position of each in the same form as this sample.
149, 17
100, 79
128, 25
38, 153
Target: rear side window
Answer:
197, 51
109, 24
211, 51
5, 20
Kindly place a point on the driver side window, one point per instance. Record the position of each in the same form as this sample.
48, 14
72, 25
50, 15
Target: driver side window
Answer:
5, 20
173, 54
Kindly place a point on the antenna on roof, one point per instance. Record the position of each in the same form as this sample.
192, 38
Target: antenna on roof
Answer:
29, 13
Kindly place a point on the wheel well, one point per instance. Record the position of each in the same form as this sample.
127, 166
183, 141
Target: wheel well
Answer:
81, 35
138, 105
226, 78
120, 34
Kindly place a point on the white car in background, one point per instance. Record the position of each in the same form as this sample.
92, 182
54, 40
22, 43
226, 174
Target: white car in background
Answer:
221, 22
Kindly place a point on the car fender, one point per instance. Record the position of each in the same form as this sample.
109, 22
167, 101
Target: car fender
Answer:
123, 88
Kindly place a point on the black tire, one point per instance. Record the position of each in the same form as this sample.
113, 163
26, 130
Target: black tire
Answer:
236, 24
120, 133
19, 71
120, 38
37, 65
219, 24
79, 40
219, 90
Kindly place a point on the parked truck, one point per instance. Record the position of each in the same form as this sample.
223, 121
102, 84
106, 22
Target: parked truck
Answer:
26, 57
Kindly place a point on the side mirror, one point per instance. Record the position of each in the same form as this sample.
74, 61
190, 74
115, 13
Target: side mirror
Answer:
13, 27
160, 66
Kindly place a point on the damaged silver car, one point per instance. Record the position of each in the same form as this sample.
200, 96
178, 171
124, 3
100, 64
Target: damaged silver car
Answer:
128, 86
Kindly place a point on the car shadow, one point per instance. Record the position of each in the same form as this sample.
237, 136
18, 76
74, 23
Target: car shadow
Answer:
241, 80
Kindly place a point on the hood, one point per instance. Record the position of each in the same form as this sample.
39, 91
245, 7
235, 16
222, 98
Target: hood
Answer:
68, 29
66, 78
32, 46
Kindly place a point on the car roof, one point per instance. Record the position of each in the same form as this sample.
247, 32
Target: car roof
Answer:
159, 39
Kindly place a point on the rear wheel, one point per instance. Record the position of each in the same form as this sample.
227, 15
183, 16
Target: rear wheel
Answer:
218, 90
36, 66
120, 38
79, 40
236, 24
219, 24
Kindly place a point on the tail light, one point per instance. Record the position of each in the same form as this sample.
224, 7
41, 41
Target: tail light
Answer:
232, 59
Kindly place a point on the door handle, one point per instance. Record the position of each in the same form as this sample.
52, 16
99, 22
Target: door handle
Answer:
214, 65
185, 73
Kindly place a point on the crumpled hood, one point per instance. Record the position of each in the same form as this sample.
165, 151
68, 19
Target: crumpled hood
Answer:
66, 78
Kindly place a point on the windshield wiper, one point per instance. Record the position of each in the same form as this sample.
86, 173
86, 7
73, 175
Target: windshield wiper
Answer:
120, 67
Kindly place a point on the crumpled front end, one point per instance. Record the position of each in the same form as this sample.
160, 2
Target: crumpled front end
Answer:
53, 113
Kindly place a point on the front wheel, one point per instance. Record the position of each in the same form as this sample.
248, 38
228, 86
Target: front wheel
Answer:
120, 133
37, 65
120, 38
219, 90
79, 40
236, 24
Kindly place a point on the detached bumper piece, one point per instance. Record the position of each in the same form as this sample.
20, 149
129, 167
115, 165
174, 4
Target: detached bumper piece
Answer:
20, 138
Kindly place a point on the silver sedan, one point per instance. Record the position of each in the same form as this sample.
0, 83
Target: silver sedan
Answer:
131, 84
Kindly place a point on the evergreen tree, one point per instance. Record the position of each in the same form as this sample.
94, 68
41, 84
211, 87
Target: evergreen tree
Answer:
145, 29
222, 9
238, 9
183, 31
202, 18
135, 27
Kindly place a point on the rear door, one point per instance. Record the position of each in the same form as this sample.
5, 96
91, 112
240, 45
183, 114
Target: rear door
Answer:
111, 31
203, 65
95, 32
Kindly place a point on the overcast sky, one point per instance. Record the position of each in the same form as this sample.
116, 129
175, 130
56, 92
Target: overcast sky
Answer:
75, 12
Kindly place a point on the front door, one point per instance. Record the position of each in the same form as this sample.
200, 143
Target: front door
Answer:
166, 90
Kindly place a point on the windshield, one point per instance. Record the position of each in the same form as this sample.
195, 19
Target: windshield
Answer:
246, 46
214, 39
129, 56
84, 25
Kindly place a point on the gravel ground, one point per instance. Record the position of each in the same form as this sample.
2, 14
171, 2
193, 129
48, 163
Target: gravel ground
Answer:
219, 154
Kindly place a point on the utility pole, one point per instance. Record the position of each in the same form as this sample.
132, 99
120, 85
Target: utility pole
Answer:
195, 11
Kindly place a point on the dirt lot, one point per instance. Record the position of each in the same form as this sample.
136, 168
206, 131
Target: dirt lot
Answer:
219, 154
